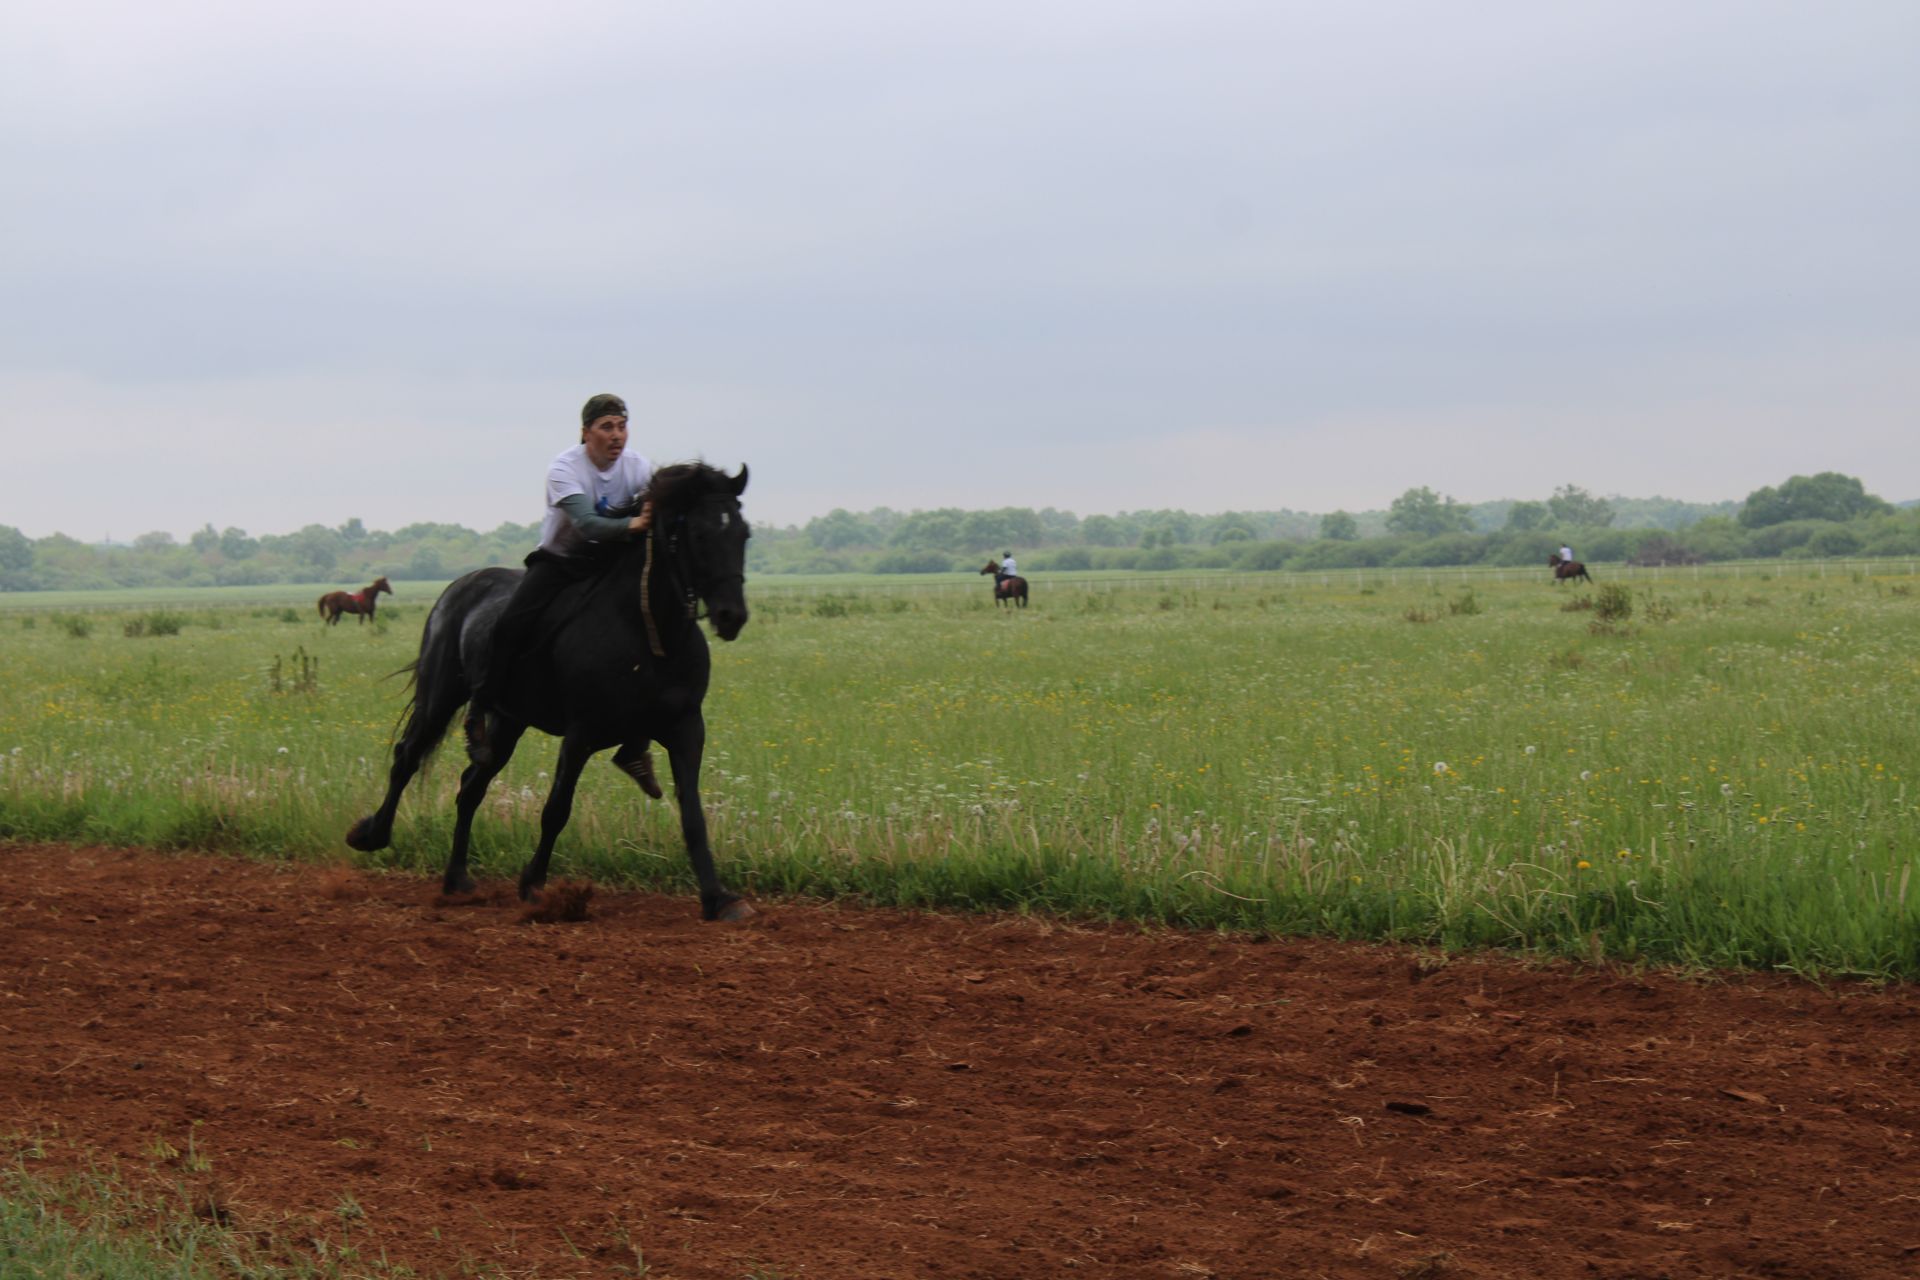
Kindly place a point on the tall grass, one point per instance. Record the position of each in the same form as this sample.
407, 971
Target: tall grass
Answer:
1714, 777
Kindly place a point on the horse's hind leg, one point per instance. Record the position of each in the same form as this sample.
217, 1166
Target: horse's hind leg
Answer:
553, 817
473, 789
424, 728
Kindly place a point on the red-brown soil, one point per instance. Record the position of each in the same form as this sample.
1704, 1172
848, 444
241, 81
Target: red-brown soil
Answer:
837, 1092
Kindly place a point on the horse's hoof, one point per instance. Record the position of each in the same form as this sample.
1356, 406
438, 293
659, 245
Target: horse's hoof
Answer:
736, 911
360, 836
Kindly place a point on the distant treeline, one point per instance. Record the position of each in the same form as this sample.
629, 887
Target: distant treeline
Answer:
1807, 516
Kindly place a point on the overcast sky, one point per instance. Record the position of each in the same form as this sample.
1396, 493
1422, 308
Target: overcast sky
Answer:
272, 264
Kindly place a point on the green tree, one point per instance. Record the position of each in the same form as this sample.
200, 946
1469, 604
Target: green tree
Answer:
315, 549
1058, 526
16, 559
1339, 526
204, 540
1573, 507
426, 563
1827, 496
1102, 531
1233, 527
937, 530
236, 545
1523, 517
1425, 513
840, 528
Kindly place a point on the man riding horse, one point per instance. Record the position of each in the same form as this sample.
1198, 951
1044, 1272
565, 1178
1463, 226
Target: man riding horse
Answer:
1007, 585
593, 501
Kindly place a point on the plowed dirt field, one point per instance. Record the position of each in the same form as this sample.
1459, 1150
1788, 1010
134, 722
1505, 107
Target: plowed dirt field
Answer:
838, 1092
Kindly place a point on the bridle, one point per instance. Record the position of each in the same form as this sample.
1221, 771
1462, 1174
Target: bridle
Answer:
679, 559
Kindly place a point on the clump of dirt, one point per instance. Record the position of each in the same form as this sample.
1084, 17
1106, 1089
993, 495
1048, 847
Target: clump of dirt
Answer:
343, 884
562, 902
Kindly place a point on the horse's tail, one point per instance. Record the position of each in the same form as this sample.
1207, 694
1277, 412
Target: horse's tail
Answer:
323, 606
436, 685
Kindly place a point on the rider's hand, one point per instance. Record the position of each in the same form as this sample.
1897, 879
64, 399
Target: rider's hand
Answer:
644, 521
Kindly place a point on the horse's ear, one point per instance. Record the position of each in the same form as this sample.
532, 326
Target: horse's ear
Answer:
739, 483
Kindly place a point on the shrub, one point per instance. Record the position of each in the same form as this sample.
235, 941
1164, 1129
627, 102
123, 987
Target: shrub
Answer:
1840, 540
912, 562
1615, 603
1778, 539
1662, 548
1447, 549
1261, 557
1068, 558
160, 622
831, 606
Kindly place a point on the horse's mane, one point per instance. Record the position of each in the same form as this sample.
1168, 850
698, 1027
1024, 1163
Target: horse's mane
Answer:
684, 482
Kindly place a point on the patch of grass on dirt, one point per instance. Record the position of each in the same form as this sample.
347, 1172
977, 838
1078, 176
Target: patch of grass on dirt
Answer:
97, 1224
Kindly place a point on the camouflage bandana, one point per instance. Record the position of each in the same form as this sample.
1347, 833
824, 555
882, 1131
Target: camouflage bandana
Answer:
600, 406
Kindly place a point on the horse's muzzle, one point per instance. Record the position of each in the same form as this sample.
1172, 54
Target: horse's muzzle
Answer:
727, 620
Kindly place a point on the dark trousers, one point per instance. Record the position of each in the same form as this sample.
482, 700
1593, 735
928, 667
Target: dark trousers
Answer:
547, 576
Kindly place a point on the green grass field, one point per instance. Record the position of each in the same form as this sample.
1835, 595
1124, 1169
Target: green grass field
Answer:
1720, 778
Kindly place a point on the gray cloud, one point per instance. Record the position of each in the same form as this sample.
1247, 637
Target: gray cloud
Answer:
309, 261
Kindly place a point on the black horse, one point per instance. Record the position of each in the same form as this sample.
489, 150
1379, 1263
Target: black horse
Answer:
1005, 589
618, 660
1565, 569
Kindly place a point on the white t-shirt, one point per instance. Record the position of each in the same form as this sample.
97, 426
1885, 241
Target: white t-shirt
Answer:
1006, 566
573, 472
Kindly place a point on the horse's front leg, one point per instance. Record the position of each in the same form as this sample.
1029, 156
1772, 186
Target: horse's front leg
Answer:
685, 744
574, 754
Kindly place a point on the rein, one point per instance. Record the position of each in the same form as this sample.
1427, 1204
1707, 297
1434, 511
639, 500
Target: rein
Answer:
646, 589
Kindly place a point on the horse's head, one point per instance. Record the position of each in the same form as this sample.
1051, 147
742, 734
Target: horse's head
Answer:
1553, 561
379, 585
696, 508
993, 566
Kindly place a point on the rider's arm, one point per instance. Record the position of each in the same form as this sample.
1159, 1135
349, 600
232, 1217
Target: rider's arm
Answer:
598, 528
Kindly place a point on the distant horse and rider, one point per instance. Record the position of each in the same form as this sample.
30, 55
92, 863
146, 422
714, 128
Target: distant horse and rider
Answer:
1565, 569
335, 603
1006, 586
618, 660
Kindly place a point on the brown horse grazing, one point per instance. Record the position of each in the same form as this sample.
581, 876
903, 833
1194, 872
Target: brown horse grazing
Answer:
1005, 589
1564, 569
335, 603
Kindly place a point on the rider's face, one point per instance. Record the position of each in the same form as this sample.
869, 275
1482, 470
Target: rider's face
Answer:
606, 439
